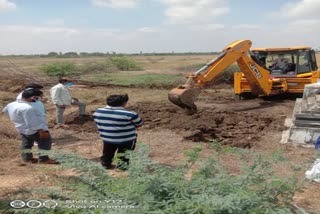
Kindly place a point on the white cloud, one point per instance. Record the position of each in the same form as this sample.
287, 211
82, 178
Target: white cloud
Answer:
247, 27
301, 9
149, 29
194, 11
297, 33
205, 37
55, 22
119, 4
6, 5
37, 31
206, 27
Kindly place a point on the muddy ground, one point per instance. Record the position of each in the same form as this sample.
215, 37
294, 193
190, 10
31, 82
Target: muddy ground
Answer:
251, 124
233, 128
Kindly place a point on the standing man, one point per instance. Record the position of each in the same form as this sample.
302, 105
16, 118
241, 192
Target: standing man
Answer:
29, 124
37, 104
30, 86
61, 97
117, 128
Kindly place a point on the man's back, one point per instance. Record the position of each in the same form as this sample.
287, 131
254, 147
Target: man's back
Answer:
25, 118
117, 124
17, 109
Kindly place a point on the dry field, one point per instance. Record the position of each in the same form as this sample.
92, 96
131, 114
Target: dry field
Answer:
253, 124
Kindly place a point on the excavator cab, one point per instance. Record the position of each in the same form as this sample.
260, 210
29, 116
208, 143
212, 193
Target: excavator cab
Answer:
290, 70
263, 72
292, 61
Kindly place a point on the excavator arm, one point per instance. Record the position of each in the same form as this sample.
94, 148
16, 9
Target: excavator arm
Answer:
258, 77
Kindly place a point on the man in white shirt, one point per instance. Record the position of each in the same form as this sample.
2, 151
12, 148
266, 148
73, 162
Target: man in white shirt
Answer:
61, 97
29, 124
38, 104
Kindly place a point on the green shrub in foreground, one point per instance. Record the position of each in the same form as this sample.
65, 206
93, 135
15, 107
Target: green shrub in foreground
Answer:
154, 188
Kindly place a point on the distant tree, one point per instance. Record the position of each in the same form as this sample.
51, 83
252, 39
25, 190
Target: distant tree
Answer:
52, 54
97, 54
84, 54
70, 54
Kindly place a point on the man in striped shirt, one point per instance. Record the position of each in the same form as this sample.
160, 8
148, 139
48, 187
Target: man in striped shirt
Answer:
117, 128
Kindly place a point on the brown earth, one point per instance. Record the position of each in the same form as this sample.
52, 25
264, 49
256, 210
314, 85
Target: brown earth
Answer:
229, 127
168, 130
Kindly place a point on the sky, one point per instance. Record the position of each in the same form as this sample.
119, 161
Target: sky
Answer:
154, 26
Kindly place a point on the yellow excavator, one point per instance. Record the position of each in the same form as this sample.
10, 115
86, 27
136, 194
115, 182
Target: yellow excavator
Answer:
263, 72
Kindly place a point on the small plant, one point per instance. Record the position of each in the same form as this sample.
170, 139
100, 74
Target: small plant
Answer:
59, 69
154, 188
125, 64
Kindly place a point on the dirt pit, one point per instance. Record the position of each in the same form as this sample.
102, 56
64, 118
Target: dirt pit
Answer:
236, 124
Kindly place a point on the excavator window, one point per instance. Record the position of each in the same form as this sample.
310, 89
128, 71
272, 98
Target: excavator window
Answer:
303, 64
259, 59
278, 62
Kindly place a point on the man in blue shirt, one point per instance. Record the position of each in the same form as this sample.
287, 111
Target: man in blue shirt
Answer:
117, 128
29, 124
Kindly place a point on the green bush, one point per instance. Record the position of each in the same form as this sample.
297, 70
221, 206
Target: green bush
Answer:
59, 69
154, 188
125, 64
98, 67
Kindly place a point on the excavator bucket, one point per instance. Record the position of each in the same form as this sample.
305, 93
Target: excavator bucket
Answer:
184, 97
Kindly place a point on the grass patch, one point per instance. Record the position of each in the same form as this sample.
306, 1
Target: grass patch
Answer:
191, 68
128, 79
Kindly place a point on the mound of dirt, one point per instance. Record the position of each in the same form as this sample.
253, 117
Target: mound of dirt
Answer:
238, 129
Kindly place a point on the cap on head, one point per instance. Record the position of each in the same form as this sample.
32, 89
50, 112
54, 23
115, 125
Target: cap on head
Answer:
117, 100
30, 93
33, 85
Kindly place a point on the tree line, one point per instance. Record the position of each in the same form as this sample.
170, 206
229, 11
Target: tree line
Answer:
101, 54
